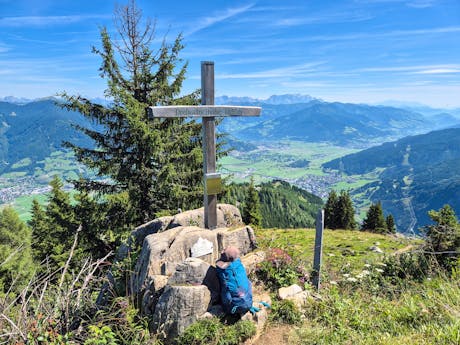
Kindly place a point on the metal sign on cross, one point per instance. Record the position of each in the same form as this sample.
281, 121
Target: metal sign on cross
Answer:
207, 111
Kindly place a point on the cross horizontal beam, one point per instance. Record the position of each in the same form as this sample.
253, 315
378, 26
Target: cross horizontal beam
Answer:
203, 111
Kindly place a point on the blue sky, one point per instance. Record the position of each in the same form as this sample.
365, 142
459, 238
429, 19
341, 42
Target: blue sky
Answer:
360, 51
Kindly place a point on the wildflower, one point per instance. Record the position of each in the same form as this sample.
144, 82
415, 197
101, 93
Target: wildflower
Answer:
346, 275
352, 280
367, 265
379, 270
333, 282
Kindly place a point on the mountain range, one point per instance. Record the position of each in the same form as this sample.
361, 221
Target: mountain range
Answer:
355, 125
416, 174
34, 130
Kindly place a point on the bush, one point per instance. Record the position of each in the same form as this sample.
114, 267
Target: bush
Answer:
285, 311
443, 238
213, 332
279, 270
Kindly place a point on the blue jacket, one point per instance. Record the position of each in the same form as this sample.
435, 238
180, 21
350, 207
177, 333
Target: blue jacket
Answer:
236, 289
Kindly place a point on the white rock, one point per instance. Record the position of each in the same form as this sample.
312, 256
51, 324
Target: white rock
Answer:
289, 291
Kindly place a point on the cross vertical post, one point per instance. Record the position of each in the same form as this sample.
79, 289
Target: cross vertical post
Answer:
209, 143
208, 112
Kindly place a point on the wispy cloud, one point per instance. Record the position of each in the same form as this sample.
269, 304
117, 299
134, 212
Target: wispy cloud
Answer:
326, 18
409, 3
415, 69
33, 21
3, 48
439, 71
206, 22
394, 33
282, 72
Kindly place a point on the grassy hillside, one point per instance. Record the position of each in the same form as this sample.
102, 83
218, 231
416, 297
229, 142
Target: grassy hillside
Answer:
358, 304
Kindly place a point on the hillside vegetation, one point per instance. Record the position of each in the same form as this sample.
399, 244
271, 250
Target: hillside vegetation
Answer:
276, 197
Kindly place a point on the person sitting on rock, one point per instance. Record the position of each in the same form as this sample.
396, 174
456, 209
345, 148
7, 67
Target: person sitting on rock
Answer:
236, 289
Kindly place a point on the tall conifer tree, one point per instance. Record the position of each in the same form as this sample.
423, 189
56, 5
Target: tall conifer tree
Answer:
15, 252
331, 211
390, 222
375, 221
158, 162
346, 212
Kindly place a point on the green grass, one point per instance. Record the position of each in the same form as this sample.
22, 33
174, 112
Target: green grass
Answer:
23, 205
367, 310
343, 250
426, 313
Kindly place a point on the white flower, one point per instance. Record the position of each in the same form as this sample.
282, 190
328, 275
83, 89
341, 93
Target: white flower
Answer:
367, 265
379, 270
365, 272
352, 280
381, 264
333, 282
346, 275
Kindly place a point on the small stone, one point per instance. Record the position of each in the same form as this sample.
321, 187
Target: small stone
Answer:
376, 249
286, 292
300, 299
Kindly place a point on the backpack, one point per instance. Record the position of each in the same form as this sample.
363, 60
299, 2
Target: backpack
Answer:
236, 289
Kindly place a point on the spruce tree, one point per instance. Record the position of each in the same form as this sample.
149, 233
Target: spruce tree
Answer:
16, 266
54, 228
390, 222
375, 221
251, 211
443, 238
345, 212
331, 211
157, 162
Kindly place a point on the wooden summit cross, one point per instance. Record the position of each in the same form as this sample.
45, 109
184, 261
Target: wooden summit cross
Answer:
207, 111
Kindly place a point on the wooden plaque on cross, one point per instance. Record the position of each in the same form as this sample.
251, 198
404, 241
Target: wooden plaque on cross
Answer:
207, 111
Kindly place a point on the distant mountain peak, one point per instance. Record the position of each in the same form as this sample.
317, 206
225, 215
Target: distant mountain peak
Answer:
289, 99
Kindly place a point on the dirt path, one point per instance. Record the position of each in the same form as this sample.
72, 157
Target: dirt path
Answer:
403, 250
276, 335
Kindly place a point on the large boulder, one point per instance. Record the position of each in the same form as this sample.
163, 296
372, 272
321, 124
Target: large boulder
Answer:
162, 252
178, 307
194, 271
227, 216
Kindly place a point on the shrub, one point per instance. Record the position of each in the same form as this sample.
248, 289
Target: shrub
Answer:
278, 270
443, 238
213, 332
285, 311
100, 336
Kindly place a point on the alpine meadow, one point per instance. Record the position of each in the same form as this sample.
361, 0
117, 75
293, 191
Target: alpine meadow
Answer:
186, 173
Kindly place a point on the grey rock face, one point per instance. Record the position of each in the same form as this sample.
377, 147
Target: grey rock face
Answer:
162, 252
194, 271
179, 307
